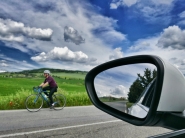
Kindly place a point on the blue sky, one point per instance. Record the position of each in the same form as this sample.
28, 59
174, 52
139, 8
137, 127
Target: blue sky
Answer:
81, 34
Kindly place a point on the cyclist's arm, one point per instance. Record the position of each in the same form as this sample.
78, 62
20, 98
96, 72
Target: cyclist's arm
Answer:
44, 84
41, 84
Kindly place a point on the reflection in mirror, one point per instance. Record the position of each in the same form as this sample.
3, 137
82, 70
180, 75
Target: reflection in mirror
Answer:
127, 88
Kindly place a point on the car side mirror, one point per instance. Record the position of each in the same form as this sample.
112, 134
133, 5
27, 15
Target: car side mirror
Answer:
137, 89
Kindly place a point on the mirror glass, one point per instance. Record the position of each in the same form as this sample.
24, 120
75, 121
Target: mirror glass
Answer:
127, 88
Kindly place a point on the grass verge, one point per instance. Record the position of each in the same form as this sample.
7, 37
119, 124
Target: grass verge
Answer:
17, 100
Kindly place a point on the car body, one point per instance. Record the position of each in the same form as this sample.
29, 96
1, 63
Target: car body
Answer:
141, 107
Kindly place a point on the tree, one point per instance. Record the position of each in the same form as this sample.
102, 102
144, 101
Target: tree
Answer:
135, 90
140, 84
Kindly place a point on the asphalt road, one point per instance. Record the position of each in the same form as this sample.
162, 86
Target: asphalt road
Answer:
71, 122
119, 105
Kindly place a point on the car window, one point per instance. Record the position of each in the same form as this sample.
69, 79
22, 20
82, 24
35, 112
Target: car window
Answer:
148, 97
145, 94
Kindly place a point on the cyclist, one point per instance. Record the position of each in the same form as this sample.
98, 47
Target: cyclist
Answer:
49, 84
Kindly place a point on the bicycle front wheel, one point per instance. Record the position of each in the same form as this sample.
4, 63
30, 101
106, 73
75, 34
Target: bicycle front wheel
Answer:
59, 101
34, 102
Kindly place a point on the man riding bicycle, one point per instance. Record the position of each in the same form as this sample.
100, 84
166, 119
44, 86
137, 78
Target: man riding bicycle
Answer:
49, 84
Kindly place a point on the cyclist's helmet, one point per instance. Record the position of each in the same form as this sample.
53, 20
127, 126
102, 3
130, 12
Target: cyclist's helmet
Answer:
47, 71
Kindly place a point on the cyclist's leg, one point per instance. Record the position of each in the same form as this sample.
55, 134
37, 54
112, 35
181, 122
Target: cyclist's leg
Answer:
45, 89
52, 90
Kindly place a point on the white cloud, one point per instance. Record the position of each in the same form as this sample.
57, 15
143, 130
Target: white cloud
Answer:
11, 38
40, 58
71, 35
181, 22
80, 16
3, 61
117, 53
38, 33
116, 3
119, 91
105, 28
182, 14
145, 45
24, 61
153, 11
14, 31
10, 64
153, 14
172, 37
182, 17
167, 45
65, 55
1, 71
171, 40
159, 2
42, 25
130, 2
4, 65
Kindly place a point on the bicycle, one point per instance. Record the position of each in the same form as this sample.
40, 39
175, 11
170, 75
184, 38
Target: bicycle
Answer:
34, 102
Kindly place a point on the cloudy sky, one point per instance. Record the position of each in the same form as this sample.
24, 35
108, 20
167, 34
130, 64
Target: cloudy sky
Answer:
81, 34
117, 81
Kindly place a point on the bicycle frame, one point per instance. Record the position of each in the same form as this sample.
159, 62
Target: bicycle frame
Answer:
40, 93
35, 100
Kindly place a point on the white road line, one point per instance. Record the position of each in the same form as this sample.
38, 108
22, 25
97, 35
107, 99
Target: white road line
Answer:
54, 129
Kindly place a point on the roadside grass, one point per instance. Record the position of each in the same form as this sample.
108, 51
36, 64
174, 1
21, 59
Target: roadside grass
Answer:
111, 99
14, 91
129, 104
17, 100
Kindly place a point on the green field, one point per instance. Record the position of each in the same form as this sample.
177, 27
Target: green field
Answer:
15, 87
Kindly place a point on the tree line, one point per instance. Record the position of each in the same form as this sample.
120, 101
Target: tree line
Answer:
140, 84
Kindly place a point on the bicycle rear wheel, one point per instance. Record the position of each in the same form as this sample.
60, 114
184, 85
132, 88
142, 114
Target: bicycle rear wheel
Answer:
59, 101
34, 102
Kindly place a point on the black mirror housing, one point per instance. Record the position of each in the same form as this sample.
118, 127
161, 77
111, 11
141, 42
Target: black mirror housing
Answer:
167, 100
153, 117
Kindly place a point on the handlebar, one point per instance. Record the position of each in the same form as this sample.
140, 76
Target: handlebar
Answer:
37, 89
